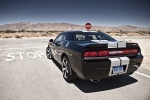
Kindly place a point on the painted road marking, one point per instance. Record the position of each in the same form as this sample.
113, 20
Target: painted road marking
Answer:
23, 48
31, 55
35, 54
142, 74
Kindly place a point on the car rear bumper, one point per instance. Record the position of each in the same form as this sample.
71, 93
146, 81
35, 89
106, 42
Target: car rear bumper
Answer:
102, 68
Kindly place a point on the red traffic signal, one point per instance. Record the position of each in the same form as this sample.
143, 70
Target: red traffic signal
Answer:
88, 26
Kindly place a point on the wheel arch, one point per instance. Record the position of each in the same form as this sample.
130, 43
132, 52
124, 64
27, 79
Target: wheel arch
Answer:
63, 56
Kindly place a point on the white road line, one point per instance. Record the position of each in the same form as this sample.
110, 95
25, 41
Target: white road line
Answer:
23, 48
142, 74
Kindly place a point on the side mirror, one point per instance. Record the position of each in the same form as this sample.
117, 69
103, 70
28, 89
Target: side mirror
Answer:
58, 43
51, 40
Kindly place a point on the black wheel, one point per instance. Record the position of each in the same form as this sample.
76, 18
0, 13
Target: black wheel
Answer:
68, 74
49, 53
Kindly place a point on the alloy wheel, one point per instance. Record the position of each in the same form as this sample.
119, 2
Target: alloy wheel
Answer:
48, 52
65, 68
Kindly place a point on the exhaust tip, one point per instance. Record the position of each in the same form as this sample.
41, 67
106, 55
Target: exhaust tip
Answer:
95, 80
136, 66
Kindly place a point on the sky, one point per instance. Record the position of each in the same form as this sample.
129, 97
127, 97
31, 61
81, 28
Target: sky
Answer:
97, 12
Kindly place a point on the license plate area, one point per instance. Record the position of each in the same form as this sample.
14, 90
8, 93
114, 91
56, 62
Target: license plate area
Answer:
117, 69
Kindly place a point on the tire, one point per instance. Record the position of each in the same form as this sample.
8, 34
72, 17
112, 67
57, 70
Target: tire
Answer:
49, 53
130, 73
67, 72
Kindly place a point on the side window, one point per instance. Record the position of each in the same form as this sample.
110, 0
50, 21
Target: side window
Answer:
69, 36
80, 37
58, 38
91, 37
63, 38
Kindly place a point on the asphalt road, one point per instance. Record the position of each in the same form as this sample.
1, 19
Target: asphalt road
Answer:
26, 74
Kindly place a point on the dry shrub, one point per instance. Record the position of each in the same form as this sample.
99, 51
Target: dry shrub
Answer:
7, 36
44, 34
117, 34
19, 36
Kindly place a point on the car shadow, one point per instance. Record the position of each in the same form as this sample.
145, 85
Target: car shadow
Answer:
87, 86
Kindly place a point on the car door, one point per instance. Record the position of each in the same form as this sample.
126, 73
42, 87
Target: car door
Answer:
60, 49
57, 43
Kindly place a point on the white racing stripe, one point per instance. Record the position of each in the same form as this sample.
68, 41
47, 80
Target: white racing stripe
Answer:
112, 45
114, 62
115, 44
142, 74
121, 44
22, 48
124, 60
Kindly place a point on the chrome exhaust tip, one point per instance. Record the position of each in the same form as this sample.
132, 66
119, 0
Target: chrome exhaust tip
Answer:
95, 80
136, 66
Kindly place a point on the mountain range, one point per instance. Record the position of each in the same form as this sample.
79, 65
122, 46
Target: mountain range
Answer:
27, 26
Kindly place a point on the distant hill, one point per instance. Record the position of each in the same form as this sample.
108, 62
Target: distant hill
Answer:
27, 26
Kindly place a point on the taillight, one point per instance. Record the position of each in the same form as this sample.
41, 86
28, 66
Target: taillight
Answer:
135, 51
126, 51
103, 53
110, 52
130, 51
90, 54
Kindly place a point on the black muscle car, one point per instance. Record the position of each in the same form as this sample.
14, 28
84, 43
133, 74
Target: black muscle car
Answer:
93, 55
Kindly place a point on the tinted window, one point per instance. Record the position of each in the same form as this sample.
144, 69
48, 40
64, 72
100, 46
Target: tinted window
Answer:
69, 36
87, 36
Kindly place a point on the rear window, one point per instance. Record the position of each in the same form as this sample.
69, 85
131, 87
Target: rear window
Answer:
88, 36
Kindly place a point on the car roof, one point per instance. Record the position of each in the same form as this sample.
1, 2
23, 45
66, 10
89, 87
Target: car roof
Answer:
78, 31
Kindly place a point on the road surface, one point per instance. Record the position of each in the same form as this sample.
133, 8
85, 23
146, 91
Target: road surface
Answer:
26, 74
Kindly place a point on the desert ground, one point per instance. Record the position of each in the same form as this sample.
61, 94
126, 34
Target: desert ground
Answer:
27, 34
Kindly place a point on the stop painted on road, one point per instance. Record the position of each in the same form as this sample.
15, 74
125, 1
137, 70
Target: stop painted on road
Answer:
32, 55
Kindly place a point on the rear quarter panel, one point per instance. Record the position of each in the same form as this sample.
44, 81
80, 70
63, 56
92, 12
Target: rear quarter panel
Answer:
74, 53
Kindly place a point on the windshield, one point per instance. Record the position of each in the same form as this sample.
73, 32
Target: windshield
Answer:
88, 36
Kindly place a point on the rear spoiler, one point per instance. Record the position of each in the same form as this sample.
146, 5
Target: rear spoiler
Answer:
110, 44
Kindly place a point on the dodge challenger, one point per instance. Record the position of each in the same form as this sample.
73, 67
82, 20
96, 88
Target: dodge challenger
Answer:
93, 55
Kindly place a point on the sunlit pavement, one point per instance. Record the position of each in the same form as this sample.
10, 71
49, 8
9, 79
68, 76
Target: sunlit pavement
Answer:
26, 74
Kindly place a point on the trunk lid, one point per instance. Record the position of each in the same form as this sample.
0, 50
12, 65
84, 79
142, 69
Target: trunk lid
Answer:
107, 44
